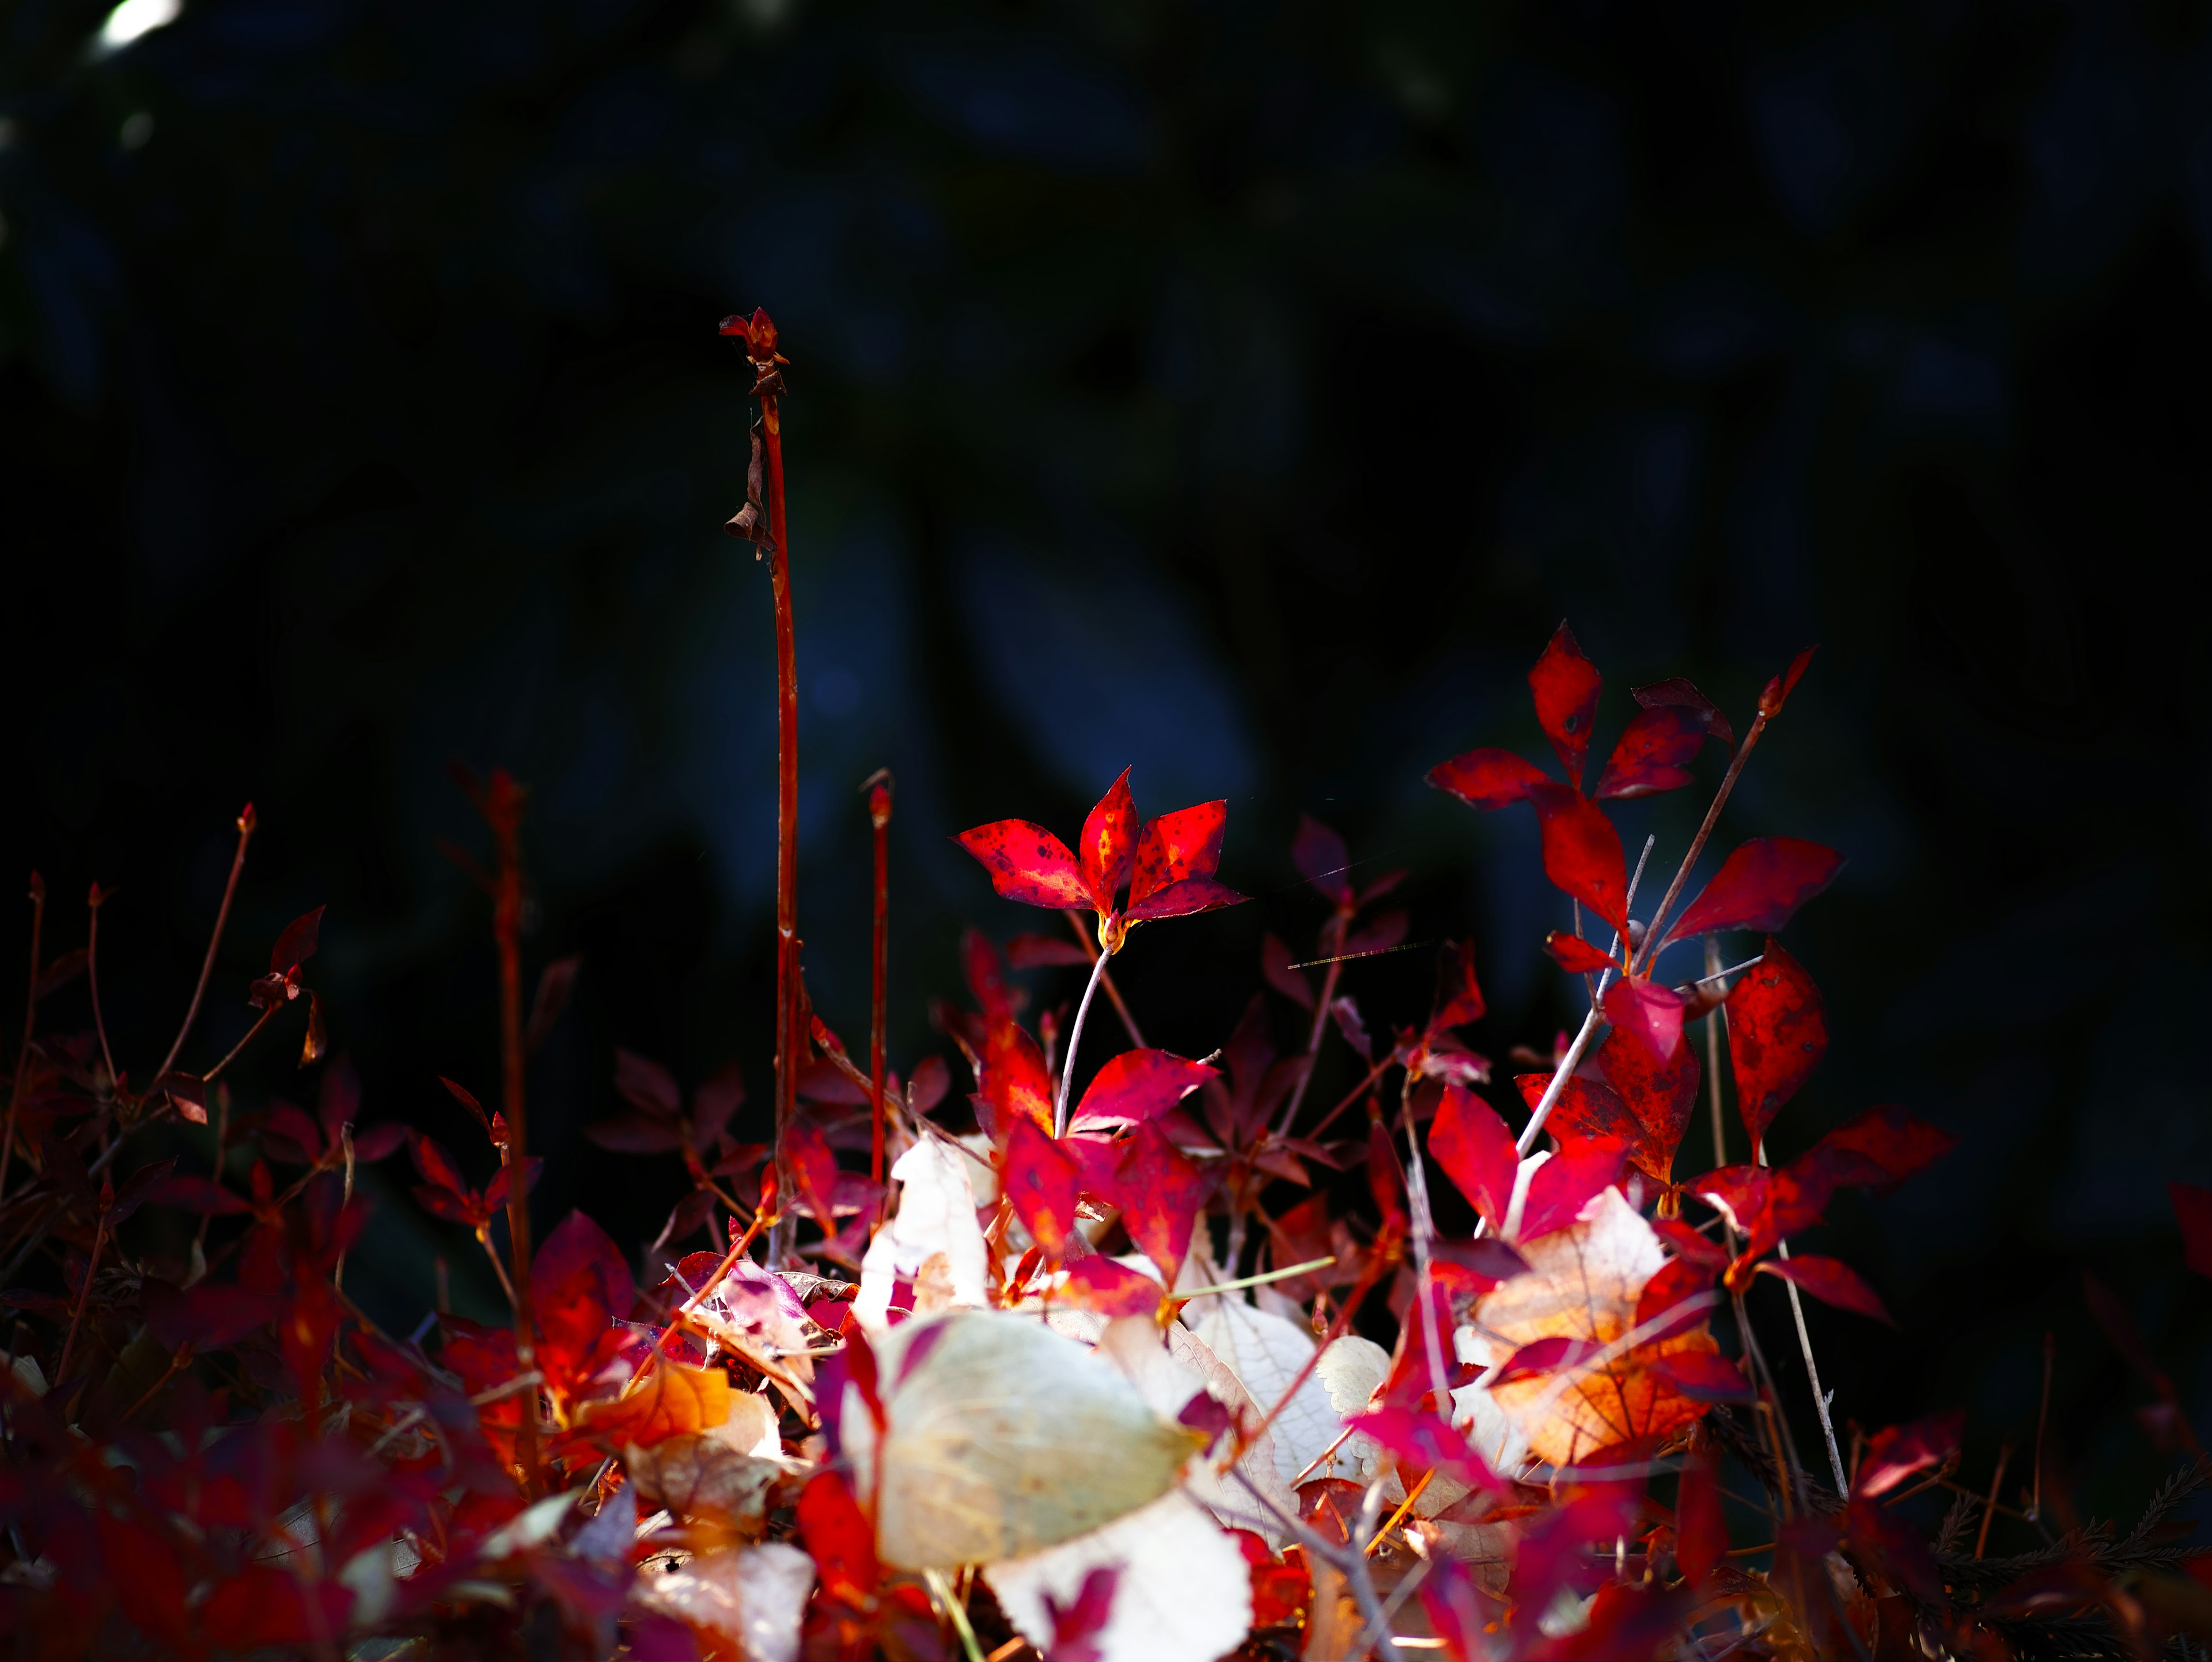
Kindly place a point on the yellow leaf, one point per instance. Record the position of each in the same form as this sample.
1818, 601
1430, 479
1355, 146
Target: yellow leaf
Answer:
673, 1399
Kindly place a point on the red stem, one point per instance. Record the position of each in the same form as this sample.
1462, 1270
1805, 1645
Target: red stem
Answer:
246, 823
83, 1297
91, 976
1335, 937
503, 801
879, 817
1655, 936
30, 1017
786, 783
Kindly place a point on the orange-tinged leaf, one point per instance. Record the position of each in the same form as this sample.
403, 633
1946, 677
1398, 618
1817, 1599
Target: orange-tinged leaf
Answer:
674, 1399
1176, 847
1109, 845
1027, 863
1015, 1083
1041, 1181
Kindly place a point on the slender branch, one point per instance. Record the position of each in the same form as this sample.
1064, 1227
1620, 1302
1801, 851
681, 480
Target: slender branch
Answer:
879, 818
503, 802
1075, 1038
1805, 1345
91, 976
1416, 1191
1337, 927
268, 1014
245, 825
1565, 1070
761, 347
506, 1282
1389, 1060
83, 1298
30, 1023
1083, 939
1655, 937
1989, 1507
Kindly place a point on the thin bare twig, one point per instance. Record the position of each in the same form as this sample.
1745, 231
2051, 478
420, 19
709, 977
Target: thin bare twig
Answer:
1075, 1038
92, 976
1091, 951
1655, 936
245, 825
1337, 928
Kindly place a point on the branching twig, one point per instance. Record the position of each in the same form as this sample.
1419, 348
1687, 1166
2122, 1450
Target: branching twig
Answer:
245, 825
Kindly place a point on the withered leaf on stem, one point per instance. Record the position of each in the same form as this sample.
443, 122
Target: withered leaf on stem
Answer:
703, 1477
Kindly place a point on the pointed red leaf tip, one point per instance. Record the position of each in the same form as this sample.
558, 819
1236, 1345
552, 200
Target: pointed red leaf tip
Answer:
1458, 994
1760, 887
1830, 1281
1566, 685
1654, 753
1568, 1182
758, 331
814, 1169
1041, 1183
1475, 1149
297, 944
1488, 779
1422, 1442
1575, 955
1074, 1627
1662, 1095
1322, 859
1109, 845
1279, 970
1777, 1033
579, 1287
985, 974
1027, 863
1177, 855
1649, 1012
1877, 1148
2192, 1210
1895, 1453
1777, 690
1135, 1086
1581, 852
1678, 692
1015, 1084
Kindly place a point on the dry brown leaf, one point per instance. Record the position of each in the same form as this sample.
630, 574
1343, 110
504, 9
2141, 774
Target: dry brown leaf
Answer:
701, 1476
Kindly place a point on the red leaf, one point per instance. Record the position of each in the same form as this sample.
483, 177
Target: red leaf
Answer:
1015, 1083
1458, 994
1540, 1357
1581, 852
1384, 933
1777, 1033
188, 1091
1159, 1193
1777, 691
1385, 1180
1704, 1376
1175, 848
1760, 887
1649, 1013
1277, 969
1575, 955
1183, 898
296, 945
840, 1539
1424, 1442
1322, 859
1653, 753
436, 1166
986, 976
1109, 845
1895, 1453
814, 1169
580, 1286
1566, 684
1679, 692
1701, 1536
1881, 1147
1075, 1627
1041, 952
1112, 1289
1691, 1247
1488, 779
634, 1134
644, 1084
470, 1103
1135, 1086
1586, 1108
1675, 1287
1662, 1095
146, 1578
1041, 1183
2192, 1210
1027, 863
1568, 1182
1476, 1151
1830, 1281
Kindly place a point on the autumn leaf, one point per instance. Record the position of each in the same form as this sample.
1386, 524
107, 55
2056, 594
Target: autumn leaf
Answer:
1760, 887
1567, 685
1777, 1033
674, 1399
1581, 852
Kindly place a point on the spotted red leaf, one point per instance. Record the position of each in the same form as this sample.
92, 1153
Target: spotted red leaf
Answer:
1649, 1013
1322, 859
1112, 1289
1830, 1281
1653, 753
1581, 852
1041, 1183
2192, 1210
1183, 898
1895, 1453
1110, 844
1675, 690
1566, 685
1488, 779
1472, 1144
1159, 1192
1777, 691
1760, 887
1015, 1084
1027, 863
1575, 955
1424, 1442
1777, 1033
1587, 1107
1662, 1095
1175, 848
1137, 1086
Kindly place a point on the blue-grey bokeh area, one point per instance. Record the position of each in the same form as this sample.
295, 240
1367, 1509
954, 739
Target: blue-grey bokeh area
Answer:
1241, 392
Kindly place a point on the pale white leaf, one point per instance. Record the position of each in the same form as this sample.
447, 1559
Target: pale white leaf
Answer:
1182, 1593
932, 1241
1266, 1352
756, 1595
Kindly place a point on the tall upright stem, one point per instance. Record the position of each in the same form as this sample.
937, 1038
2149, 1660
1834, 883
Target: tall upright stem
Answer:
245, 825
1075, 1038
503, 803
879, 818
92, 978
1656, 937
1334, 950
30, 1020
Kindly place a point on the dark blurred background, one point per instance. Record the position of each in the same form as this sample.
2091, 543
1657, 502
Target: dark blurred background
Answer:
1242, 391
